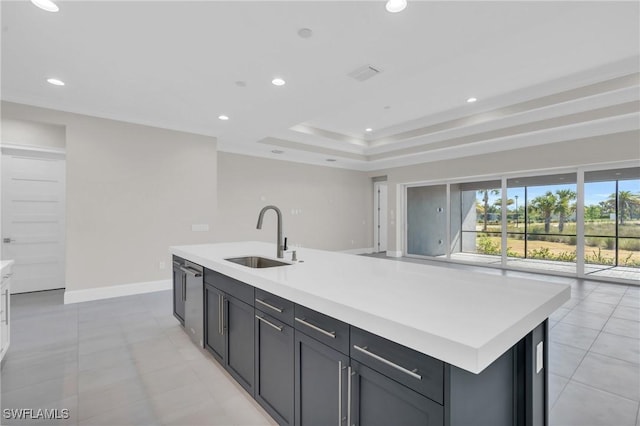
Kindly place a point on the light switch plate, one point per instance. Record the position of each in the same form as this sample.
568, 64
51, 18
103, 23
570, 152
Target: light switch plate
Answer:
539, 357
200, 227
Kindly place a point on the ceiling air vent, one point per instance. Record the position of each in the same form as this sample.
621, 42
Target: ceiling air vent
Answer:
364, 72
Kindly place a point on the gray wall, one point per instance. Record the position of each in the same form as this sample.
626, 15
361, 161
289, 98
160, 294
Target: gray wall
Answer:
323, 207
32, 133
427, 220
132, 191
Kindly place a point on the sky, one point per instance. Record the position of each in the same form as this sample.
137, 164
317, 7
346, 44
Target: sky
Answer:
595, 192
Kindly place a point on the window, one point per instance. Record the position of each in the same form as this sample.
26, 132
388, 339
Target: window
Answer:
541, 230
477, 220
612, 220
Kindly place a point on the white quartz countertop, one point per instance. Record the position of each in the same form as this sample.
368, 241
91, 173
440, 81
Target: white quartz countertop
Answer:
464, 318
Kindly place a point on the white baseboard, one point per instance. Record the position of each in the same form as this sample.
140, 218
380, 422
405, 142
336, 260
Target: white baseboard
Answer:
391, 253
365, 250
77, 296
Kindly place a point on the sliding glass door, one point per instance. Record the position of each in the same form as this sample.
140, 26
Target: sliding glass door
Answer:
465, 222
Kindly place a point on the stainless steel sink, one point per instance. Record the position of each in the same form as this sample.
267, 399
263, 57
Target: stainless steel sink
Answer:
256, 262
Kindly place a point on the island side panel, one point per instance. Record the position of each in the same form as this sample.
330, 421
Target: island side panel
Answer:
481, 399
537, 376
511, 391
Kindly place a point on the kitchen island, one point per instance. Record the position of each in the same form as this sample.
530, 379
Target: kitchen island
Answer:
457, 347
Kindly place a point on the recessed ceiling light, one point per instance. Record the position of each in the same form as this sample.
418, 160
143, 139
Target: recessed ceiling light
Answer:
223, 117
395, 6
55, 82
305, 32
277, 151
331, 160
278, 82
368, 130
471, 100
47, 5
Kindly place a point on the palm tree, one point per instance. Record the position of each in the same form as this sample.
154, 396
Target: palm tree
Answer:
564, 207
546, 205
485, 200
627, 200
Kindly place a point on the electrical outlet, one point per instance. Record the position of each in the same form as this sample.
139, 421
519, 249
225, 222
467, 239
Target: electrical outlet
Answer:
163, 265
539, 357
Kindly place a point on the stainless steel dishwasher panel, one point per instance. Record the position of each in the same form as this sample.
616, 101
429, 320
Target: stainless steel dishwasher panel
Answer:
194, 303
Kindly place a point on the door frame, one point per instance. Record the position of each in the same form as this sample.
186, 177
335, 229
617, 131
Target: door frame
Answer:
46, 153
379, 228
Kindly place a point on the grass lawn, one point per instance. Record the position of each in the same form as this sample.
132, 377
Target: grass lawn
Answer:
559, 248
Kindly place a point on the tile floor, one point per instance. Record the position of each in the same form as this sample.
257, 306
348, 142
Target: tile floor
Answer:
126, 361
122, 361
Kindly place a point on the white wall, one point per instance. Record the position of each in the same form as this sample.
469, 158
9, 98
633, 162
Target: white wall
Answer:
32, 133
324, 208
132, 191
574, 153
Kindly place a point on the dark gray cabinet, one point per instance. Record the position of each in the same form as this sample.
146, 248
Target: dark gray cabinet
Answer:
321, 383
214, 332
306, 368
229, 334
274, 354
238, 323
380, 401
179, 289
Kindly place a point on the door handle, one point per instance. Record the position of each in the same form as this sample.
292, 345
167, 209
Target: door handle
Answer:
349, 374
269, 323
221, 314
184, 288
340, 373
190, 271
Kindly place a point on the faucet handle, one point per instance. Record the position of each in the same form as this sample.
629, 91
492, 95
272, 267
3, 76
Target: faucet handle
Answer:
285, 248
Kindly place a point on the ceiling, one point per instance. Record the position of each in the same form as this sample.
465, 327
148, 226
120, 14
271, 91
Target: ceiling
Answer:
542, 72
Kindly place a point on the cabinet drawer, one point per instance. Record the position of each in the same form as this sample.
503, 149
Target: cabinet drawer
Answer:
413, 369
235, 288
277, 307
323, 328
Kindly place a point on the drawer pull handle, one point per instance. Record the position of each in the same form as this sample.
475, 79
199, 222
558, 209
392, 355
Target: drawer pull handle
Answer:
389, 363
277, 327
331, 334
268, 305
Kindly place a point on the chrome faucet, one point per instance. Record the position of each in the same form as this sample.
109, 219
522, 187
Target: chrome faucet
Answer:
281, 248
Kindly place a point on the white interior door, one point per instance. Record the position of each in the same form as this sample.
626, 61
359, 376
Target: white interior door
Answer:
33, 213
380, 216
